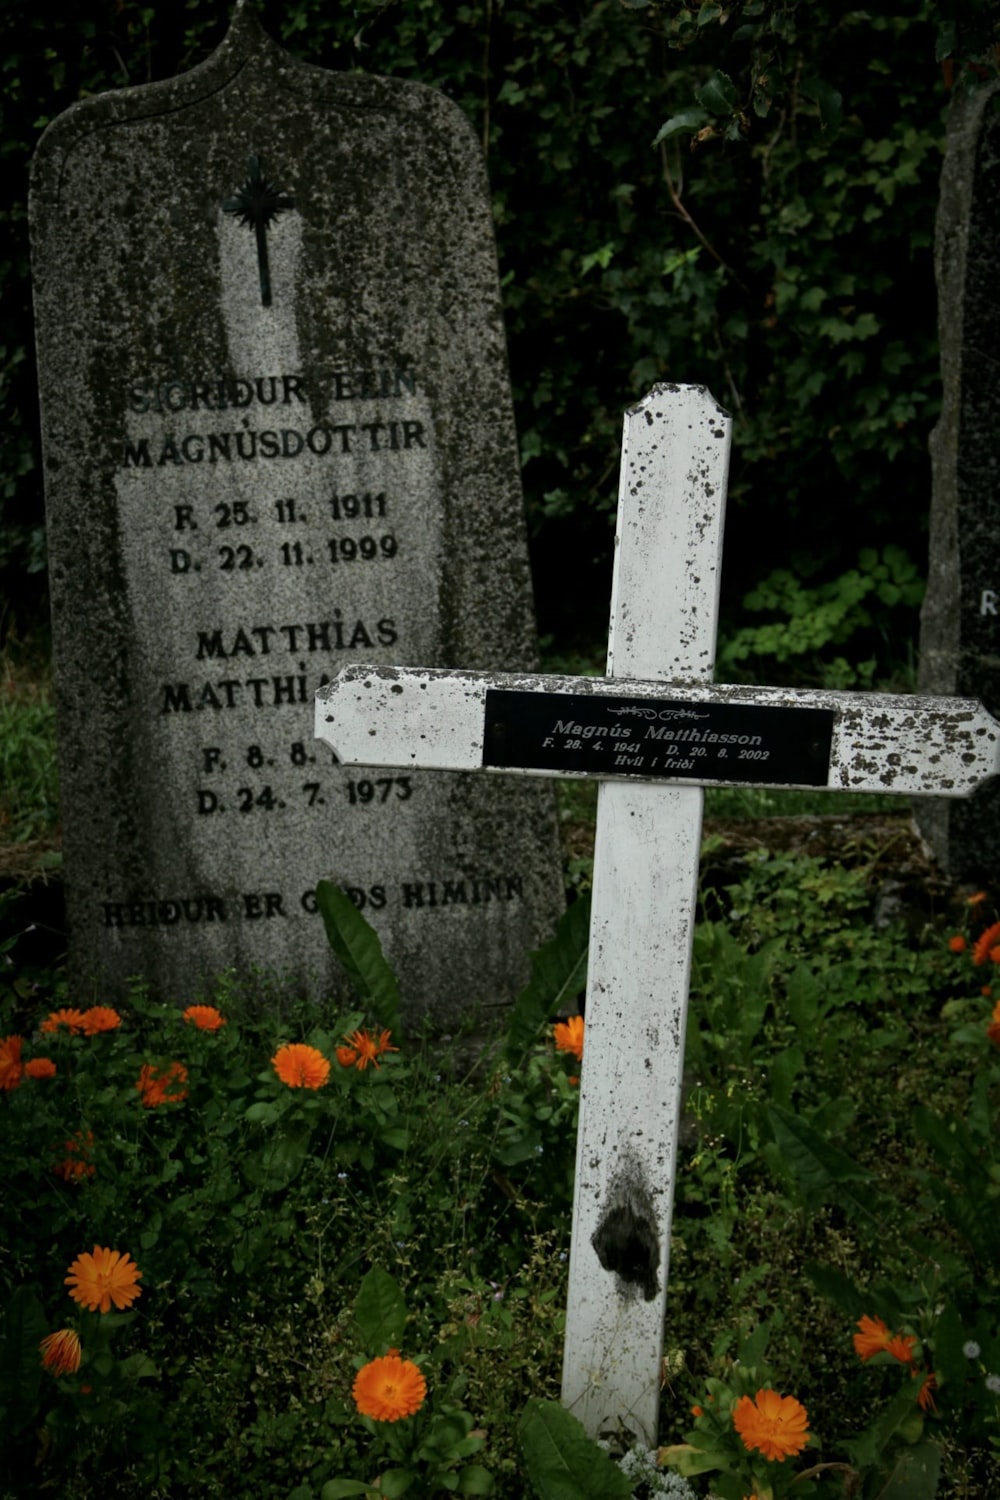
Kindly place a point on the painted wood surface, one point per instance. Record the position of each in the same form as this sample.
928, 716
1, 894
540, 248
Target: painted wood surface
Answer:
668, 554
892, 743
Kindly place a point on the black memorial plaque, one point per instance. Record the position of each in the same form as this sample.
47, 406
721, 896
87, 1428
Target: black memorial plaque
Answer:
658, 738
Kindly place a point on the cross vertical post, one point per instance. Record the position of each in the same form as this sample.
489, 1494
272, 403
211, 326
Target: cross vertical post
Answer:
668, 552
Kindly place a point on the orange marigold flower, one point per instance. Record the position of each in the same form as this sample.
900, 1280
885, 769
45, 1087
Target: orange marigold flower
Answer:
775, 1425
363, 1048
925, 1396
985, 943
106, 1276
76, 1165
61, 1352
99, 1018
876, 1338
158, 1086
205, 1017
569, 1036
40, 1067
11, 1069
300, 1066
70, 1018
389, 1388
957, 944
697, 1411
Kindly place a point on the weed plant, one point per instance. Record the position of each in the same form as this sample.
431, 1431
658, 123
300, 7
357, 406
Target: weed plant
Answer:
29, 784
292, 1229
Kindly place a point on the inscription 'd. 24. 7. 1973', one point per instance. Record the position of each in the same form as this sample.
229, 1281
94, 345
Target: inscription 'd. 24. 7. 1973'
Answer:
657, 737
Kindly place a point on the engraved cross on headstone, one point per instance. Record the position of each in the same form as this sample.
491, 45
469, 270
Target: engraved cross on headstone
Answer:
655, 730
257, 204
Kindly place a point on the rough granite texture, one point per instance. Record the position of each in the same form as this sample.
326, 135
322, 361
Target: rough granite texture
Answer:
245, 493
960, 623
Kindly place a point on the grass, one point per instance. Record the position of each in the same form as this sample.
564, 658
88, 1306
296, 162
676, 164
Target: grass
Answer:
29, 784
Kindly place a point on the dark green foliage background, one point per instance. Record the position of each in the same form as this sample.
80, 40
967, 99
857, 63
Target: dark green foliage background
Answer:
788, 268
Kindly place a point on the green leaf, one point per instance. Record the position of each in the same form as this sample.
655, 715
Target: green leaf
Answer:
718, 95
24, 1327
820, 1170
396, 1482
558, 974
380, 1311
139, 1367
339, 1489
872, 1443
262, 1114
838, 1289
690, 1461
915, 1474
357, 945
475, 1480
785, 1068
562, 1462
830, 102
279, 1162
687, 120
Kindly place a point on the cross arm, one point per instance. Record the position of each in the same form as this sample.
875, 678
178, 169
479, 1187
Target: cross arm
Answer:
686, 733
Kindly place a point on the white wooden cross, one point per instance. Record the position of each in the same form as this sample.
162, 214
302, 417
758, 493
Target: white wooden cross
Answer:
655, 730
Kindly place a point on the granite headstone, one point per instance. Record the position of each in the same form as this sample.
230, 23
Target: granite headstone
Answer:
278, 437
960, 624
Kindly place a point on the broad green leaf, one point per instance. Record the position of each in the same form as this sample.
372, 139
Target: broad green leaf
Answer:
718, 95
558, 974
396, 1482
785, 1068
340, 1489
869, 1447
139, 1367
689, 120
279, 1162
689, 1461
24, 1327
380, 1311
475, 1480
820, 1170
839, 1289
263, 1113
562, 1462
830, 102
915, 1474
357, 945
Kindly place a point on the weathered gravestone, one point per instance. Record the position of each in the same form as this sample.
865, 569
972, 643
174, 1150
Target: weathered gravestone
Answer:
960, 626
651, 725
278, 437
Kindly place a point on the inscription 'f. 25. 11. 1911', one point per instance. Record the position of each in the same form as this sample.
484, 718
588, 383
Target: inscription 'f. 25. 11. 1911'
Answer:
657, 737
